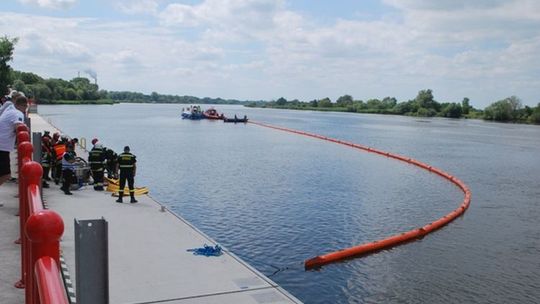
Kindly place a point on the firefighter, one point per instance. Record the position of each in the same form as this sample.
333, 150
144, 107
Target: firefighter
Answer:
96, 159
55, 138
127, 165
59, 149
112, 158
74, 142
47, 134
68, 163
46, 159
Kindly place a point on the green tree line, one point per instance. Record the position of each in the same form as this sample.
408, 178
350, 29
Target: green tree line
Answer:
509, 109
154, 97
81, 90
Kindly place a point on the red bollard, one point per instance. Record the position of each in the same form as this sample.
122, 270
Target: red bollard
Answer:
25, 151
23, 136
44, 230
22, 127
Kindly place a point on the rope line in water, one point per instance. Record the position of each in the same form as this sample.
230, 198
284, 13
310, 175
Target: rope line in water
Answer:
394, 240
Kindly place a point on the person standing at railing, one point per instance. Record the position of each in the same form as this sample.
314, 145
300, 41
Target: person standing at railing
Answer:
127, 165
9, 120
8, 102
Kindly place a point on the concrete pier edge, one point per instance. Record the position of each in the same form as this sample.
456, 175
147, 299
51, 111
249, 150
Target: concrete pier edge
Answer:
144, 268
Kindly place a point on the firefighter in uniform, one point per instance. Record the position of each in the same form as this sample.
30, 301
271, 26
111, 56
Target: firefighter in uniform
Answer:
59, 149
112, 158
96, 159
128, 168
46, 159
68, 164
47, 134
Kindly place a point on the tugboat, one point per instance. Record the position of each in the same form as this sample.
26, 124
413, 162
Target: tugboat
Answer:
212, 114
193, 112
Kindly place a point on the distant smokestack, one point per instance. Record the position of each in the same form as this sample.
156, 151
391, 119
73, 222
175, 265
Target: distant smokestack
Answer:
92, 74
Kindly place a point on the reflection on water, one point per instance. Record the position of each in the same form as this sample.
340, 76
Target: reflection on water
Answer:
276, 199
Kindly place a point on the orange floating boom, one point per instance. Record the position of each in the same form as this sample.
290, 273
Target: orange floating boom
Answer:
393, 240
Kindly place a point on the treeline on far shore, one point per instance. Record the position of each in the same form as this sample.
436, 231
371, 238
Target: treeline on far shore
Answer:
509, 109
80, 90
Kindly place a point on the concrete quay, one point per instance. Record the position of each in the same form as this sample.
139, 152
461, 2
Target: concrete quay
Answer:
148, 257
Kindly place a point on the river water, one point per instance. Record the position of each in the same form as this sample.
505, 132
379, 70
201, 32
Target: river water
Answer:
276, 199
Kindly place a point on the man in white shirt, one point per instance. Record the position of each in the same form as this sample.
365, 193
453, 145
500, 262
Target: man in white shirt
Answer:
6, 105
9, 119
8, 102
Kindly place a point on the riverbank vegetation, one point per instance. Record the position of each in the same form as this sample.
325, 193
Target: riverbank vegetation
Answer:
509, 109
81, 90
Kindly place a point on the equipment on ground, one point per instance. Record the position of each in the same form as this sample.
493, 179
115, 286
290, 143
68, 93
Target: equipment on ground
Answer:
114, 187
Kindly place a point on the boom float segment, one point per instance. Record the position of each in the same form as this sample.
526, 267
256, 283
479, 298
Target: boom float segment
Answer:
393, 240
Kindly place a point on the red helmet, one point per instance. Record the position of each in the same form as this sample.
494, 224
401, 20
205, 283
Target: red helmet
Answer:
94, 141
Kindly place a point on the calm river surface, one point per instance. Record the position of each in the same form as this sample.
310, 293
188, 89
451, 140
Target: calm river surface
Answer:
276, 199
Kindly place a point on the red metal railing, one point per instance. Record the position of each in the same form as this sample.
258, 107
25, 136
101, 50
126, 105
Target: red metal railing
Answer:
40, 233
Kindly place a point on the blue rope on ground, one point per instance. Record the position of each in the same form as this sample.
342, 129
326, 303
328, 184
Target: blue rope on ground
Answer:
207, 250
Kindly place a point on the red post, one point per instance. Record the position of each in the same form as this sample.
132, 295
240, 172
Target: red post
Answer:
44, 230
24, 151
22, 127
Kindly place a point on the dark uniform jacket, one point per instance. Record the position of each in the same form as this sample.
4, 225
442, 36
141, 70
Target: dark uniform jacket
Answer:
126, 163
96, 158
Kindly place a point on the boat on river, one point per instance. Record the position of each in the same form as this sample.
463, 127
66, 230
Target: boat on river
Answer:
193, 113
212, 114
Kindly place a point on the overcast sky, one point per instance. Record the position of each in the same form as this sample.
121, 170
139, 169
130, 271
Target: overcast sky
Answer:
298, 49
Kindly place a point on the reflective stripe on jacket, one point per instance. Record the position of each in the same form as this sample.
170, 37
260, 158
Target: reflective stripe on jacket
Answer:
126, 161
96, 159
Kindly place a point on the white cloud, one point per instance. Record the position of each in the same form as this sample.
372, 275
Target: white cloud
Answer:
181, 14
55, 4
138, 7
235, 17
47, 43
444, 4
